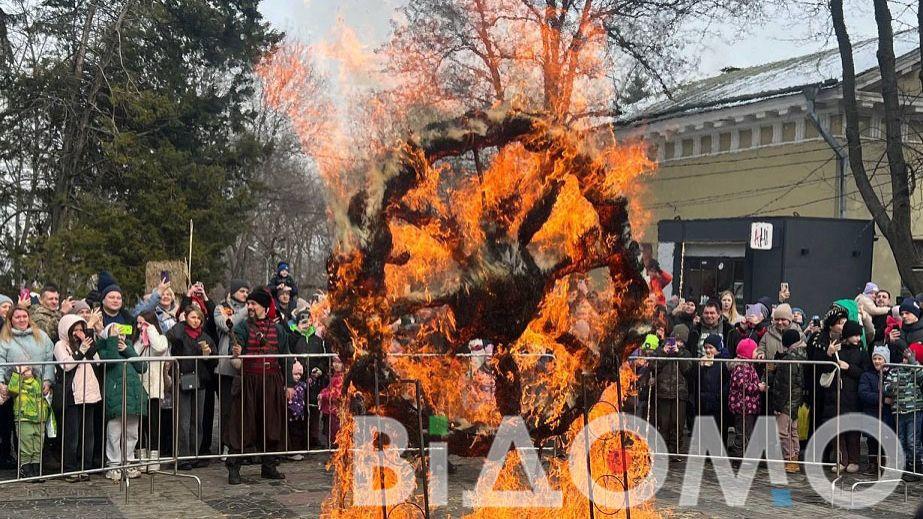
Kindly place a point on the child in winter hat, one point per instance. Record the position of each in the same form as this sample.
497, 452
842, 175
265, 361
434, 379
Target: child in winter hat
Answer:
882, 351
746, 348
744, 393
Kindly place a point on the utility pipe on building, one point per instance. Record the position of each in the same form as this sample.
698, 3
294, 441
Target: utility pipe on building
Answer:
810, 94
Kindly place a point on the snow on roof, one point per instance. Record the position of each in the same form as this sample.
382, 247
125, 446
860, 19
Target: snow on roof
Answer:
755, 83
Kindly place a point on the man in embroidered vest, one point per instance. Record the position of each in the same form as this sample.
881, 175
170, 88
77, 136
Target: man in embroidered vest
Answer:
259, 395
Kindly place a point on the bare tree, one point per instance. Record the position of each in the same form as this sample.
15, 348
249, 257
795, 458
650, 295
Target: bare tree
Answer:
470, 54
895, 222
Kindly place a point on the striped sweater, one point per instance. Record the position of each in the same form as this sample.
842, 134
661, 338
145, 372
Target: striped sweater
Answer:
903, 385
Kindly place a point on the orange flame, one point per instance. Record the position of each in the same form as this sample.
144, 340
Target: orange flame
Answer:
441, 248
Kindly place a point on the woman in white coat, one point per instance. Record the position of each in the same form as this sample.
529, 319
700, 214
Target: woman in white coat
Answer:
151, 344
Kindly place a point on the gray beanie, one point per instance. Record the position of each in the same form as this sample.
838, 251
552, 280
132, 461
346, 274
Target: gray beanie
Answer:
883, 351
237, 284
681, 333
5, 299
79, 305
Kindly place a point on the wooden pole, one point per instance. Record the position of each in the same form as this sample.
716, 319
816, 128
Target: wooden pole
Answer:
189, 259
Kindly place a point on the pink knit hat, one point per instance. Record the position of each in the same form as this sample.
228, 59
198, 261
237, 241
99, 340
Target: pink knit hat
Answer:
746, 348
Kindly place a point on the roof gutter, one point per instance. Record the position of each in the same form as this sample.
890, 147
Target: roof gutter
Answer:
810, 95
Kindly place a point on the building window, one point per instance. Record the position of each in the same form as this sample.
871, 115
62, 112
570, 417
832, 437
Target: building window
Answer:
788, 132
918, 262
745, 139
668, 150
915, 131
836, 124
652, 149
765, 135
687, 147
810, 131
724, 142
705, 144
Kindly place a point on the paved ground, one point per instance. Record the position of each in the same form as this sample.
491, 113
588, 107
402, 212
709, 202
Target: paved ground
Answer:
307, 484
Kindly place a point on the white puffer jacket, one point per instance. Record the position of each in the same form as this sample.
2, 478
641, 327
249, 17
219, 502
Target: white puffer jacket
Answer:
159, 348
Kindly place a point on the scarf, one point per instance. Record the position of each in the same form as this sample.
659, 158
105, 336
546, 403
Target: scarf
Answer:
193, 333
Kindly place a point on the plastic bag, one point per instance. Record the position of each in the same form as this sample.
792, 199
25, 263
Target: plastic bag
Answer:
804, 422
51, 428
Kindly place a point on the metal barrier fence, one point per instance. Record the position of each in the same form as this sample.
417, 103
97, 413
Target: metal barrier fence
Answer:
116, 428
899, 399
668, 414
685, 409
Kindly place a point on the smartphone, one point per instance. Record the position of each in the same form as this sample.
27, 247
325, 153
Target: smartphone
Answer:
815, 320
24, 293
124, 329
165, 275
783, 287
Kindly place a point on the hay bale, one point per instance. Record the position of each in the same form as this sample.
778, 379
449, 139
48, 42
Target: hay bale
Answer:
177, 270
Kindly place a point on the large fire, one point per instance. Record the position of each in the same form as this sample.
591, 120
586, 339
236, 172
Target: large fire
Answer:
474, 232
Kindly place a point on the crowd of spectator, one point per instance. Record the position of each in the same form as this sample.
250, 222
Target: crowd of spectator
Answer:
861, 356
91, 385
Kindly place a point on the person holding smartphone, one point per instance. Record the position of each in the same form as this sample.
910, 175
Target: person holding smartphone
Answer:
81, 390
121, 377
669, 380
189, 339
197, 297
227, 315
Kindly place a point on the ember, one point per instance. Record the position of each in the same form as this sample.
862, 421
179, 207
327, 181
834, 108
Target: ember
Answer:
472, 232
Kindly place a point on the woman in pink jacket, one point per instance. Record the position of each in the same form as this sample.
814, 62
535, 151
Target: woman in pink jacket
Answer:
80, 392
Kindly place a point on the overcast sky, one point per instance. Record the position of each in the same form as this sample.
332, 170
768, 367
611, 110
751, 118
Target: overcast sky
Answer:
781, 36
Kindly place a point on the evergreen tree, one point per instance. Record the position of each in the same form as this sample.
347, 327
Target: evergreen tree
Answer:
138, 117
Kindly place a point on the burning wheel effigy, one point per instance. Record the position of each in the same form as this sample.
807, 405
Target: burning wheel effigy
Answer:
485, 257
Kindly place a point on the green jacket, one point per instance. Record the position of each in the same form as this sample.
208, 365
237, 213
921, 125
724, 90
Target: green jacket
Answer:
30, 404
135, 396
903, 385
787, 384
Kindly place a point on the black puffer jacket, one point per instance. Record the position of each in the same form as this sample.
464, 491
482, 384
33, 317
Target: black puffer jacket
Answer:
909, 335
182, 345
849, 390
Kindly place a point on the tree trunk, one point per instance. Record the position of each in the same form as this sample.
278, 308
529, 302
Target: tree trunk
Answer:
75, 139
920, 32
896, 226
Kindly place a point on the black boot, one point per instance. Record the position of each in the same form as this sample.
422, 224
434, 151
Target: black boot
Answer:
271, 472
37, 471
233, 474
